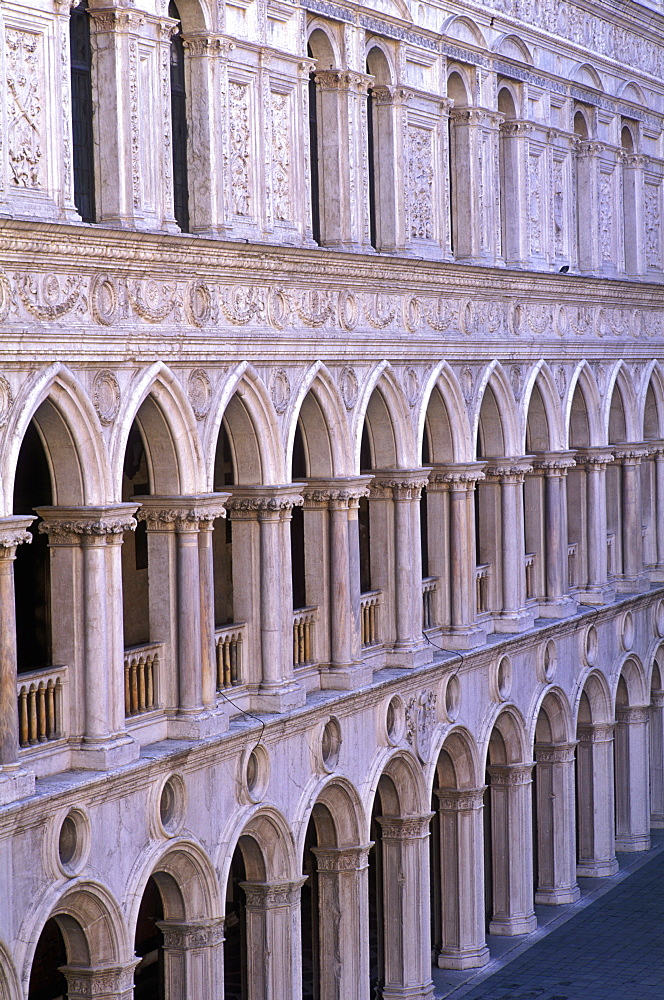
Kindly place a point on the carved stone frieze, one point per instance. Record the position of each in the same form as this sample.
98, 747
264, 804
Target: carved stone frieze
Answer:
25, 107
106, 396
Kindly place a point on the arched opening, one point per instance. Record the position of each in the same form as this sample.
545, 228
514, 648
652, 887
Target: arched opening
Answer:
508, 872
376, 881
222, 533
577, 500
149, 974
380, 155
364, 515
615, 511
320, 49
488, 509
510, 194
630, 194
653, 536
136, 481
33, 487
235, 931
46, 980
631, 763
536, 485
594, 775
82, 112
459, 168
657, 744
583, 182
554, 815
297, 530
179, 128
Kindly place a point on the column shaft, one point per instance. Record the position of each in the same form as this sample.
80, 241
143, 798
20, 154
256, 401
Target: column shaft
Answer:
556, 825
595, 798
511, 850
12, 533
343, 904
632, 779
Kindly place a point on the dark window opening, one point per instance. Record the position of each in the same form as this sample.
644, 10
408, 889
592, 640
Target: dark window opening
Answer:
149, 983
222, 534
135, 561
376, 926
372, 170
46, 980
81, 112
235, 932
32, 568
310, 919
179, 126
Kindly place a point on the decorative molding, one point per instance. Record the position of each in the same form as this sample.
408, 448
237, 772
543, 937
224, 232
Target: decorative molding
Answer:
106, 396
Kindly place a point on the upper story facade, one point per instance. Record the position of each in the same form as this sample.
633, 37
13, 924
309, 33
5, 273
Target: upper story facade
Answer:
521, 134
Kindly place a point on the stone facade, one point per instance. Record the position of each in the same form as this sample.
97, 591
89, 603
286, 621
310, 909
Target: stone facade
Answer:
332, 485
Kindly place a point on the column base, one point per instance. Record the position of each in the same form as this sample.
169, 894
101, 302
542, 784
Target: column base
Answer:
198, 725
513, 926
597, 869
346, 678
104, 755
424, 992
514, 621
15, 783
475, 958
656, 574
468, 637
409, 655
556, 897
281, 698
597, 596
633, 584
557, 607
632, 844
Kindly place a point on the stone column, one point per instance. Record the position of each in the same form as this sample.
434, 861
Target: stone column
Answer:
462, 878
108, 982
403, 487
193, 958
633, 577
594, 799
512, 850
475, 185
270, 506
633, 165
273, 939
513, 139
389, 111
556, 824
88, 530
594, 461
338, 593
15, 782
182, 597
657, 449
405, 842
204, 51
343, 902
632, 779
587, 205
553, 466
458, 482
657, 760
510, 474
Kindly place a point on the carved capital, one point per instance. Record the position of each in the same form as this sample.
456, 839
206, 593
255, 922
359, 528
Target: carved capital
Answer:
460, 799
594, 458
264, 501
13, 532
554, 463
510, 774
335, 493
73, 525
341, 859
195, 934
633, 715
116, 981
181, 512
269, 895
554, 753
399, 484
588, 147
631, 454
508, 470
459, 476
600, 732
203, 45
405, 827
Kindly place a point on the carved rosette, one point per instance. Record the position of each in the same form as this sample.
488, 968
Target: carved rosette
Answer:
405, 827
199, 391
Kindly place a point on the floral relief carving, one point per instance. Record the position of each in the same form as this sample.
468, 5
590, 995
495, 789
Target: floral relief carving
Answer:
558, 208
24, 107
535, 202
48, 296
240, 148
133, 119
281, 157
420, 192
606, 215
653, 225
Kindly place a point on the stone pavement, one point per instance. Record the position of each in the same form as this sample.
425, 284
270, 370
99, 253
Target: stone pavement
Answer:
606, 948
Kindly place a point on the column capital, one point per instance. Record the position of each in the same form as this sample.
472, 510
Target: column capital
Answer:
511, 774
655, 448
73, 525
631, 454
405, 827
181, 512
399, 484
509, 470
598, 732
182, 936
112, 981
598, 457
588, 147
342, 859
269, 895
108, 18
460, 799
476, 116
633, 715
460, 476
657, 699
13, 532
554, 753
635, 160
516, 128
554, 463
207, 43
335, 493
249, 502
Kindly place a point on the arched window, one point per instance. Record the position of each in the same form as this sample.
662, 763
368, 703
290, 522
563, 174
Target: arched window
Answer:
629, 191
81, 111
179, 125
313, 149
461, 217
510, 196
323, 143
583, 196
371, 154
381, 154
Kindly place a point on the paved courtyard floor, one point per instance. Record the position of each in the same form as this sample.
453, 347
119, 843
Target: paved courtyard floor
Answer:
608, 946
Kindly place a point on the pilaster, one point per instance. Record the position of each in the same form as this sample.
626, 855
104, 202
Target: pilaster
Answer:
510, 474
511, 849
556, 824
193, 958
632, 779
273, 938
553, 467
596, 852
597, 589
633, 578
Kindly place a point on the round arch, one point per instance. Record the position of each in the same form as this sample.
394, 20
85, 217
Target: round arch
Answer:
380, 62
194, 16
457, 762
593, 701
514, 47
403, 788
464, 29
160, 405
324, 46
552, 718
266, 841
630, 687
347, 821
505, 739
70, 432
10, 987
